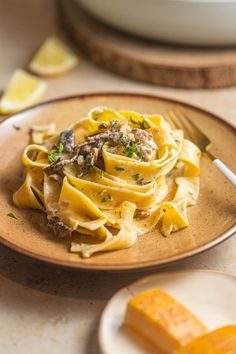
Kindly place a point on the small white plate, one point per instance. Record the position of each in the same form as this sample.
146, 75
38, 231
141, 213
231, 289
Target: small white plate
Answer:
209, 295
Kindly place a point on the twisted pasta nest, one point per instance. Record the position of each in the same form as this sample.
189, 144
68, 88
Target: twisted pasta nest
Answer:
112, 176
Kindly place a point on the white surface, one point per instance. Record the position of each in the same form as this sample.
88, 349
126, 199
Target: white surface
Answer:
214, 305
229, 175
44, 310
198, 22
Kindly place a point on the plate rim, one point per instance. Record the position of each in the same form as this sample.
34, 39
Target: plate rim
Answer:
147, 277
125, 266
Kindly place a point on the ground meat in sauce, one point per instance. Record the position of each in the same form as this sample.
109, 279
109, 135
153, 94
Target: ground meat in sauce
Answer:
144, 143
143, 137
142, 182
103, 125
142, 214
137, 143
56, 168
89, 154
58, 227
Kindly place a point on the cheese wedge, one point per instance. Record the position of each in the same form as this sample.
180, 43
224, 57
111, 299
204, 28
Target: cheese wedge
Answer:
162, 320
220, 341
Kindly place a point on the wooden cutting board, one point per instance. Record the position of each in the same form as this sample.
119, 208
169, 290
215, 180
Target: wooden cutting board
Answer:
145, 60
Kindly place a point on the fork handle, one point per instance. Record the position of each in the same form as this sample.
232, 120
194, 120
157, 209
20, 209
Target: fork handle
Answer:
229, 175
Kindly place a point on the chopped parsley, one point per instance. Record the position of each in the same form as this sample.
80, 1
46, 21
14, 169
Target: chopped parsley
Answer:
101, 173
140, 155
11, 215
190, 192
106, 199
133, 121
56, 153
90, 167
119, 168
16, 127
107, 144
120, 214
129, 150
124, 140
114, 123
136, 177
144, 124
177, 141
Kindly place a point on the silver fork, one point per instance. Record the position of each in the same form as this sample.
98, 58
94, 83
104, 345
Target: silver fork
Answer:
179, 120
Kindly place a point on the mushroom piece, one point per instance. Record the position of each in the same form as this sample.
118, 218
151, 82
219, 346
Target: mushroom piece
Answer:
67, 139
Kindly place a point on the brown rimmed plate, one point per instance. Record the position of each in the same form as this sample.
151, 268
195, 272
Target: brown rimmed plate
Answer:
212, 220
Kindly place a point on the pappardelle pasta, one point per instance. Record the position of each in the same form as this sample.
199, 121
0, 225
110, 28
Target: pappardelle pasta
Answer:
112, 176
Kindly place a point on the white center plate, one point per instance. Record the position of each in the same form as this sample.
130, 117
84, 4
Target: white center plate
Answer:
209, 295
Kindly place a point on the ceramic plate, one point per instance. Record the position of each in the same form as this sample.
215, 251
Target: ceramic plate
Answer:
212, 220
209, 295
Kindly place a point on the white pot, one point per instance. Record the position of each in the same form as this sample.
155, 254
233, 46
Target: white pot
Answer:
191, 22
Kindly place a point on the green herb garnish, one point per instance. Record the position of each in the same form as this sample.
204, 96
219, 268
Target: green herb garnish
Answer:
177, 141
190, 192
56, 153
120, 214
129, 150
124, 140
136, 177
140, 155
114, 123
107, 144
133, 121
106, 199
144, 124
90, 167
16, 127
119, 168
101, 173
11, 215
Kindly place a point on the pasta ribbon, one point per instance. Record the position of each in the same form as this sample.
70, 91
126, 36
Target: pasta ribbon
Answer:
37, 162
190, 154
30, 194
41, 133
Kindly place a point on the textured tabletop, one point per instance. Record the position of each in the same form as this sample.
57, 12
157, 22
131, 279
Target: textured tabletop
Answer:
44, 309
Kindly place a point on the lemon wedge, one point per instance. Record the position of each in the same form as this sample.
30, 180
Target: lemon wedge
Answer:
22, 91
53, 58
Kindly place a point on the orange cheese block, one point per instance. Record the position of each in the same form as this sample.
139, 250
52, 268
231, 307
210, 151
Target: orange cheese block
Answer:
162, 320
220, 341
